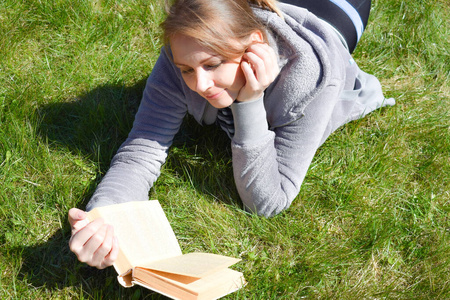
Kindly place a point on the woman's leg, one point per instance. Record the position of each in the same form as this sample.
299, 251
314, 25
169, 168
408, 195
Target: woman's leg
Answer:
349, 17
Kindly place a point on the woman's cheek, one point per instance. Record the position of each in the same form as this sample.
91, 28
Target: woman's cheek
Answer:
188, 81
239, 78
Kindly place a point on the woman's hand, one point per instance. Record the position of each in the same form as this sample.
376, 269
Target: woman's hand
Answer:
260, 67
93, 243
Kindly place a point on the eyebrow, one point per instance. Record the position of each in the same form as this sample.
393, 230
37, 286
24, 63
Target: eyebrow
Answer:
201, 62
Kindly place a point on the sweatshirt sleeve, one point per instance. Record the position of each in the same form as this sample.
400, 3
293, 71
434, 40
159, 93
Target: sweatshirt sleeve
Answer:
137, 163
269, 165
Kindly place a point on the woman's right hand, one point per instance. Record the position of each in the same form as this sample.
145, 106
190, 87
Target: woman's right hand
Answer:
260, 67
92, 242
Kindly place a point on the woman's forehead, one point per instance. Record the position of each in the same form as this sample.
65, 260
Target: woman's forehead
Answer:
188, 50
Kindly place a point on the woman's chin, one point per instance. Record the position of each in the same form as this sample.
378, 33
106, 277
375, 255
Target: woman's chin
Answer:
221, 103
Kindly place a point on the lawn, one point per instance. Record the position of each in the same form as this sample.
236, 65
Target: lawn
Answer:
371, 220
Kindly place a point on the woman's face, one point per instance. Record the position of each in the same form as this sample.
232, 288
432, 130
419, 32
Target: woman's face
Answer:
215, 78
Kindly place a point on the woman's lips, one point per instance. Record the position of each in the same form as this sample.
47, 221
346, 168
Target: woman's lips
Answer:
214, 96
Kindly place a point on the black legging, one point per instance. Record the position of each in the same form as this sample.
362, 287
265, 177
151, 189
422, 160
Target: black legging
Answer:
349, 17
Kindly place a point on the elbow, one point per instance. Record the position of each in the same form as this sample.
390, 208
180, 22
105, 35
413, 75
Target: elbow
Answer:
267, 208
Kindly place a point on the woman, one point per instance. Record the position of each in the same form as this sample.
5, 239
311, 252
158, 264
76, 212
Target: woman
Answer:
274, 76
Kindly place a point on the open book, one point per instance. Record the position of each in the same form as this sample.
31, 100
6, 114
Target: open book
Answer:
151, 256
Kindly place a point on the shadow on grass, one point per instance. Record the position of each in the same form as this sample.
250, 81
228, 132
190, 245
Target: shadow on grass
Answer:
201, 157
94, 125
52, 266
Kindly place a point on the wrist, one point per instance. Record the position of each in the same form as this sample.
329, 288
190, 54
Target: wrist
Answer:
250, 120
240, 99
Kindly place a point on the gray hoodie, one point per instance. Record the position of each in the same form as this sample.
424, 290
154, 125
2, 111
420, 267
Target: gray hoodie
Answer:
319, 88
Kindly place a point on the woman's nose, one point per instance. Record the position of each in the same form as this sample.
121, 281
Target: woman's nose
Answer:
204, 82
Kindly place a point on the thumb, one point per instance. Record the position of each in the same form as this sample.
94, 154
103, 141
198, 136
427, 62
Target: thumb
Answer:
76, 214
77, 219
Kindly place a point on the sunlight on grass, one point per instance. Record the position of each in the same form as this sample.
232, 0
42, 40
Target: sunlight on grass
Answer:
371, 220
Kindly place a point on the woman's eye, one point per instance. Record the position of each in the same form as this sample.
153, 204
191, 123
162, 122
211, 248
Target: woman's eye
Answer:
188, 71
213, 66
208, 67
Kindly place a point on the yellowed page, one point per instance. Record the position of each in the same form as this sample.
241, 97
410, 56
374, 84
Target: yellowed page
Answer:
219, 284
213, 286
143, 231
195, 265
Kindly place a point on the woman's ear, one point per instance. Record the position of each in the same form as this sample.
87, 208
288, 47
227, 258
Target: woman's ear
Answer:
256, 37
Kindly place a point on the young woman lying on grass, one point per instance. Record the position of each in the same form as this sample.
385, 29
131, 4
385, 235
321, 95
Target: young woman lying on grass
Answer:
276, 77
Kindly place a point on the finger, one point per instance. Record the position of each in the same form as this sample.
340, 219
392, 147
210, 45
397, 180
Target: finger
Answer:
75, 215
79, 225
77, 219
259, 49
113, 254
79, 240
263, 51
267, 54
254, 59
104, 248
93, 244
259, 68
249, 74
252, 89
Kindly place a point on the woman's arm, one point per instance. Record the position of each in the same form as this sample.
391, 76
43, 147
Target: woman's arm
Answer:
135, 166
269, 166
137, 163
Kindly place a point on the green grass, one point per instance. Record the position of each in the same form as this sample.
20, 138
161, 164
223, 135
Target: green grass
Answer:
372, 218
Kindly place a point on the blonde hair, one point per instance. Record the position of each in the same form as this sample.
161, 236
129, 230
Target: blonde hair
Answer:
267, 4
216, 24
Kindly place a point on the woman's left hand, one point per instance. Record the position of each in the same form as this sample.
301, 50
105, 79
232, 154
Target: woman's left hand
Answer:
260, 67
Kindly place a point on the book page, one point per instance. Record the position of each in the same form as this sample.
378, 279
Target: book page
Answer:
213, 286
143, 231
196, 265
